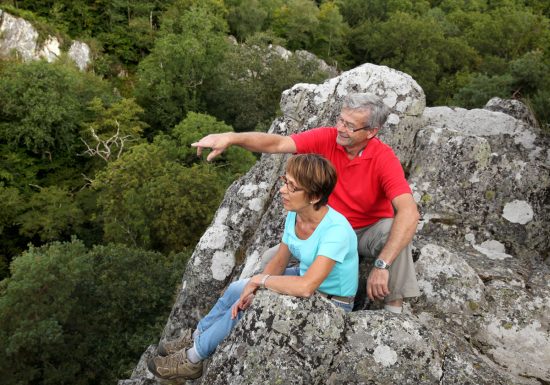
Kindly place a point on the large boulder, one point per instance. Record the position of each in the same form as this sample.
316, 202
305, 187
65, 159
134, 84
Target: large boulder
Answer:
481, 180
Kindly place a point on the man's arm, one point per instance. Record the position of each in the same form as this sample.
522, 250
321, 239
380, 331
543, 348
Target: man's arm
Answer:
401, 234
252, 141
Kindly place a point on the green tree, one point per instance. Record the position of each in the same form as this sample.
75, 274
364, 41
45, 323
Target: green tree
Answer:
161, 196
41, 107
173, 78
115, 128
249, 83
234, 162
69, 315
416, 45
247, 17
331, 34
297, 21
148, 201
10, 207
51, 214
481, 88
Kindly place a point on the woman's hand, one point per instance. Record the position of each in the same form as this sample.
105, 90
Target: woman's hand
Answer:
242, 304
247, 295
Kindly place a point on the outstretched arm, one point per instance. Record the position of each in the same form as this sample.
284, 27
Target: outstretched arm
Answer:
252, 141
401, 234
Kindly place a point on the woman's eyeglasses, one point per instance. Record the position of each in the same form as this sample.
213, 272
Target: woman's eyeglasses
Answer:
289, 185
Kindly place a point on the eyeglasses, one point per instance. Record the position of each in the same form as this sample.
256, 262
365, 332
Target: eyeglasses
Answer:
349, 126
289, 185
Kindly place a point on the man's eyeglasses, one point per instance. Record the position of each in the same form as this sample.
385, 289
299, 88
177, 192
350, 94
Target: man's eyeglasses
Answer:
349, 126
289, 185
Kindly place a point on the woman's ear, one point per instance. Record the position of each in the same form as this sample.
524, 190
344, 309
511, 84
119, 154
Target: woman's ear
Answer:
314, 200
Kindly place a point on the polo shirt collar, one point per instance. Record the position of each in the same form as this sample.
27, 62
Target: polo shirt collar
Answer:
368, 152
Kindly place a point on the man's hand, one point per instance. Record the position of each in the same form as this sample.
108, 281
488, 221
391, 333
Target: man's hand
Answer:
377, 284
217, 142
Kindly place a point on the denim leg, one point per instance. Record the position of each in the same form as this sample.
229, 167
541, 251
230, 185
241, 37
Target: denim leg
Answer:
218, 323
295, 270
231, 294
207, 342
347, 307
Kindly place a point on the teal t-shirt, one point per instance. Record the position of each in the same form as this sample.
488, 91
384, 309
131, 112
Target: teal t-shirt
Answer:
333, 238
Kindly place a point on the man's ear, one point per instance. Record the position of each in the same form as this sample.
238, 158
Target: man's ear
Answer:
372, 132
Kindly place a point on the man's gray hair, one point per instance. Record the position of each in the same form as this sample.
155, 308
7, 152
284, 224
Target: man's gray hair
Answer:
369, 102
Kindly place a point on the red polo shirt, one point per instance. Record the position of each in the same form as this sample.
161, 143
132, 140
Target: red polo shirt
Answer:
366, 184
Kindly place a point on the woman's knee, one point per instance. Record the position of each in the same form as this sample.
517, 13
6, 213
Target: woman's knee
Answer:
235, 289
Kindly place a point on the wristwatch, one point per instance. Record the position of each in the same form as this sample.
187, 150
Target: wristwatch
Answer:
380, 264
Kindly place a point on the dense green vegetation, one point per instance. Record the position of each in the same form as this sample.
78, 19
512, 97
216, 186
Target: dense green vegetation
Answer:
102, 197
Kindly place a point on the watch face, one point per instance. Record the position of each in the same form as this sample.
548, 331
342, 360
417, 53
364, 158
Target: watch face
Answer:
379, 264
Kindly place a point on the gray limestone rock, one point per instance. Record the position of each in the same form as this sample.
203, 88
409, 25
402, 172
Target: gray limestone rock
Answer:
514, 108
281, 339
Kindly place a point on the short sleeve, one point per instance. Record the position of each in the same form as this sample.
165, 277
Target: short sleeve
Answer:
392, 177
314, 141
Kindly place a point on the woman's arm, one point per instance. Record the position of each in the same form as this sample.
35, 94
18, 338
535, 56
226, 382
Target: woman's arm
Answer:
297, 286
278, 263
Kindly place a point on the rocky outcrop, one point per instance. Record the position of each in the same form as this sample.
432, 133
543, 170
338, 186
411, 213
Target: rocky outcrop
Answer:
19, 38
481, 180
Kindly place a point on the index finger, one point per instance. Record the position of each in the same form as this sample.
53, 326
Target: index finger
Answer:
199, 148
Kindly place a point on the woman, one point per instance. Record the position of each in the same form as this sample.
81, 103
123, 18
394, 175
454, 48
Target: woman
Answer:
319, 237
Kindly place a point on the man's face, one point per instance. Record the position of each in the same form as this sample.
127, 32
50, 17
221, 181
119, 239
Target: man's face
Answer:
348, 121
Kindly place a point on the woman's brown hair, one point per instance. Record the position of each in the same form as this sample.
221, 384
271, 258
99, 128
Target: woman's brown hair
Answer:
314, 174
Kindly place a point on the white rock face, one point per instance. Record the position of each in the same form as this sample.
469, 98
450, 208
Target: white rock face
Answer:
50, 50
19, 37
81, 55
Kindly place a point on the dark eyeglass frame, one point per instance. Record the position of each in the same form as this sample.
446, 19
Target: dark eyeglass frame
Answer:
289, 185
341, 121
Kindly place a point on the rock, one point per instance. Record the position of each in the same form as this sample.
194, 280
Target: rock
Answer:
514, 108
482, 176
282, 339
81, 55
481, 180
19, 37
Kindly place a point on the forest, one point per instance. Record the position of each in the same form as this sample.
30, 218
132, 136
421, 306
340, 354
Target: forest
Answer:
102, 199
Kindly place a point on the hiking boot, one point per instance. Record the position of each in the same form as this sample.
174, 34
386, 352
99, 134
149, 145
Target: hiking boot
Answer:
175, 366
185, 341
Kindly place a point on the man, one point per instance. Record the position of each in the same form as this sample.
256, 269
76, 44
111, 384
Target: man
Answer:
371, 191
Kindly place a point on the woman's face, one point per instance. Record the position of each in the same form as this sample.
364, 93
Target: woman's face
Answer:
294, 195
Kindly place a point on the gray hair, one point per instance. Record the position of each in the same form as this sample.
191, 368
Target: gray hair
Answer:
369, 102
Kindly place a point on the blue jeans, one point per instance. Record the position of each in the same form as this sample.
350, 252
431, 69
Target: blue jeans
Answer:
218, 323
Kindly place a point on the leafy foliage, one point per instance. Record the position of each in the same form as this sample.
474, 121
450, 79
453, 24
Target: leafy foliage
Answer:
69, 315
41, 107
154, 197
173, 78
